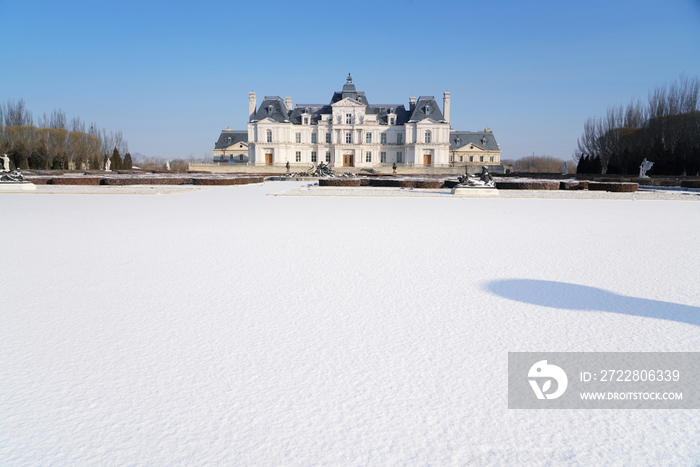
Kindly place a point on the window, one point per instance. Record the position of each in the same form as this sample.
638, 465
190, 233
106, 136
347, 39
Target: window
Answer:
391, 121
399, 138
471, 158
240, 158
298, 156
427, 136
348, 119
348, 137
383, 138
382, 157
399, 156
313, 138
368, 156
306, 120
328, 157
269, 136
228, 140
313, 156
452, 158
368, 138
491, 158
461, 158
297, 138
481, 158
328, 137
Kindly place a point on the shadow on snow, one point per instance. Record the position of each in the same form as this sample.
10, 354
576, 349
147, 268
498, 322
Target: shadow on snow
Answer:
580, 297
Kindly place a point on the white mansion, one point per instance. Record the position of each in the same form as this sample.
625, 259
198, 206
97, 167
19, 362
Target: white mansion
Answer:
351, 132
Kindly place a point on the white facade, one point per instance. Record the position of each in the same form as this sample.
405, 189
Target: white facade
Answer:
349, 132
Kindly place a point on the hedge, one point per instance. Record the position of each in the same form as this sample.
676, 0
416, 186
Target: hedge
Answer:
528, 185
339, 181
227, 181
616, 187
573, 185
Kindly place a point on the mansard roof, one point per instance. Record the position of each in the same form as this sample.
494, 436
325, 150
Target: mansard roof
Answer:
273, 108
315, 110
483, 139
382, 111
426, 107
280, 114
236, 137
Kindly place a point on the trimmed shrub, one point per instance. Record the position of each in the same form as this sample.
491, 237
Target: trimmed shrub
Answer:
664, 182
227, 181
616, 187
39, 180
428, 183
528, 185
573, 185
690, 183
364, 182
339, 182
76, 180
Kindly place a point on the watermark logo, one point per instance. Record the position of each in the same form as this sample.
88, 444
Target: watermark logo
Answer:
541, 370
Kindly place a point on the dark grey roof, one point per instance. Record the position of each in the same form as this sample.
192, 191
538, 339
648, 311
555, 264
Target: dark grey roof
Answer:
382, 110
274, 108
315, 110
236, 137
483, 139
426, 103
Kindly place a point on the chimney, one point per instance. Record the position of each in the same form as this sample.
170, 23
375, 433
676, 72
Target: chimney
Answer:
411, 104
288, 101
446, 106
252, 101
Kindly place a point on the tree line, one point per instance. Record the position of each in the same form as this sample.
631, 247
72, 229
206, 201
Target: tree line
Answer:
57, 143
665, 131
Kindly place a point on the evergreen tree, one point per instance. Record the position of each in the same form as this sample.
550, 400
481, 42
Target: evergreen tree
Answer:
582, 167
127, 164
116, 159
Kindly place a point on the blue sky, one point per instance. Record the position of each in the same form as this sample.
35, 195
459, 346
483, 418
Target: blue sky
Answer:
172, 75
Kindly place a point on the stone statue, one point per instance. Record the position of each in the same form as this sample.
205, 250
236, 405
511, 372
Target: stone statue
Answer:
14, 176
108, 164
5, 163
394, 167
565, 168
646, 166
287, 166
167, 165
484, 179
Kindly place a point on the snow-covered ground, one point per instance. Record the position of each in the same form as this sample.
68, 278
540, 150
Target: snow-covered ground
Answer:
225, 326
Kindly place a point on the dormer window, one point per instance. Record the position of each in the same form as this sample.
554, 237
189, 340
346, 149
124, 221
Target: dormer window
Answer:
228, 140
306, 120
269, 110
391, 121
427, 109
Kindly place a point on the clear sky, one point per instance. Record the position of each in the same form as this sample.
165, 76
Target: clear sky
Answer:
171, 75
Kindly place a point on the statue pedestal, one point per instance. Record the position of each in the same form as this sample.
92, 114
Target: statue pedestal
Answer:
17, 186
475, 191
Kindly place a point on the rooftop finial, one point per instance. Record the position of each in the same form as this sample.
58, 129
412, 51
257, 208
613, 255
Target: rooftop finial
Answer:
349, 78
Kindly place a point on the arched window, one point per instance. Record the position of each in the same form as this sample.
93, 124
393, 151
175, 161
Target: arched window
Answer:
427, 136
269, 136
